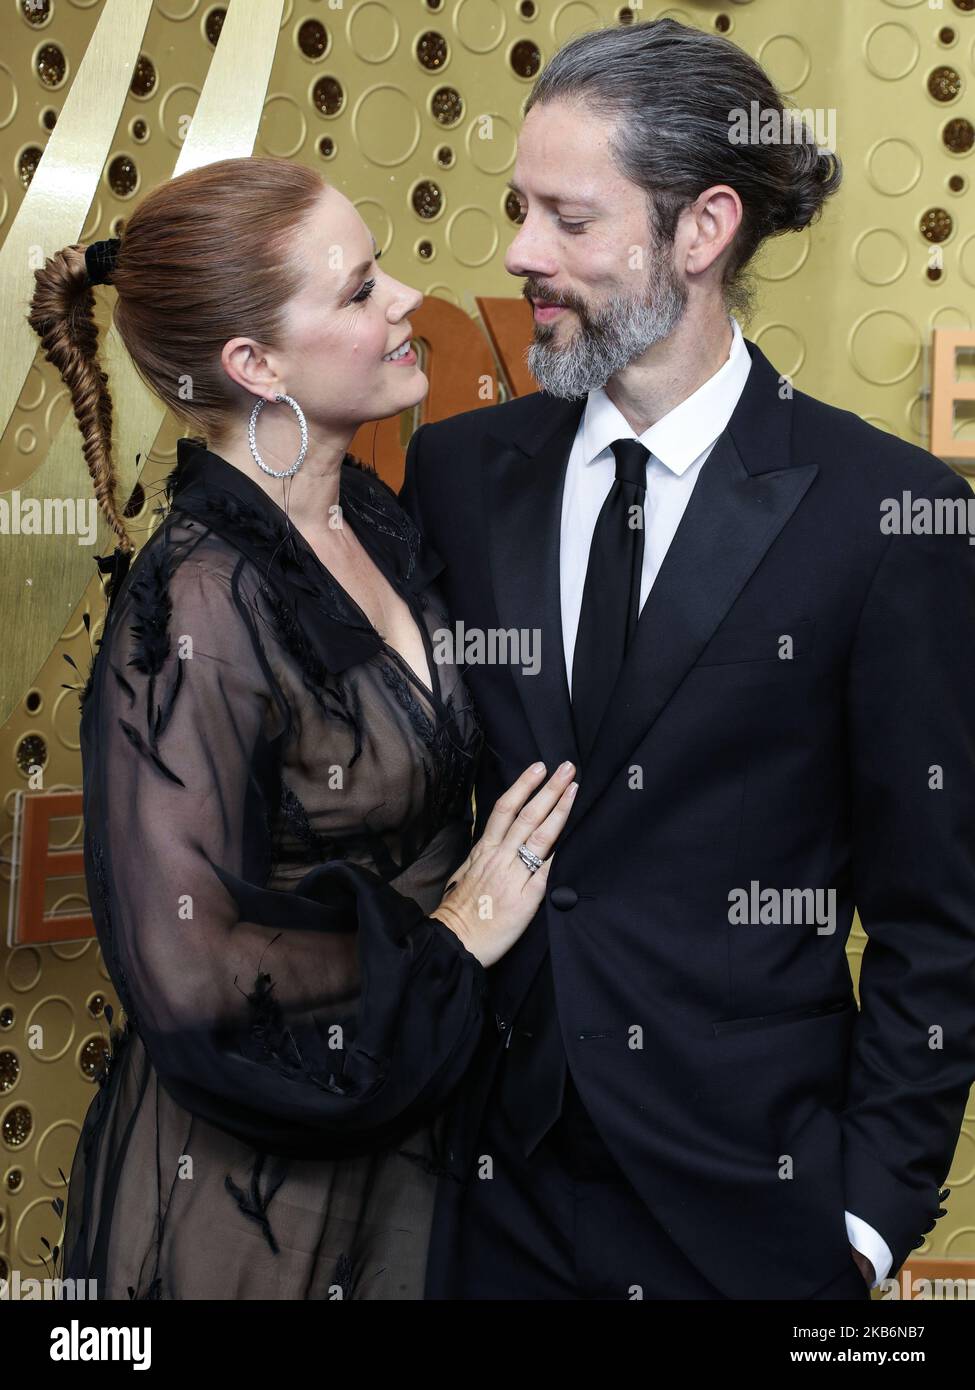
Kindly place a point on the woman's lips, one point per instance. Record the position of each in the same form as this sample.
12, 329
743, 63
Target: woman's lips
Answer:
407, 360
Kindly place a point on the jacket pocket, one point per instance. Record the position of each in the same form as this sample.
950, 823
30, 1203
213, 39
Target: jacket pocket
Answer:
759, 642
742, 1025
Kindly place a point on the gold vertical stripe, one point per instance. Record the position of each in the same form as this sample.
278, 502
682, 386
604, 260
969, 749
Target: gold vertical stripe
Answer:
52, 215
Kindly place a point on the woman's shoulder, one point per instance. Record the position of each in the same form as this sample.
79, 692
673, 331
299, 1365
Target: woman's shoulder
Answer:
184, 578
183, 559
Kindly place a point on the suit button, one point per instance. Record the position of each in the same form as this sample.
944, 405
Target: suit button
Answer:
563, 897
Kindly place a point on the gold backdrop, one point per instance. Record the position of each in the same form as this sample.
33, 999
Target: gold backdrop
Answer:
102, 99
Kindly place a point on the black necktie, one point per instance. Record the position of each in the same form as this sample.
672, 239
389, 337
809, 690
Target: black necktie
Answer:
611, 596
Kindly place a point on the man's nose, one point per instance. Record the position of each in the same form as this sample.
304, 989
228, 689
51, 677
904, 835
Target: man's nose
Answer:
528, 255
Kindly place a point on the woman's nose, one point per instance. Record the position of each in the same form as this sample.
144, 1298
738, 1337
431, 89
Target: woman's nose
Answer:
406, 301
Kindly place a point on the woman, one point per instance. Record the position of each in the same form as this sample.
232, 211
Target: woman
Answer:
277, 775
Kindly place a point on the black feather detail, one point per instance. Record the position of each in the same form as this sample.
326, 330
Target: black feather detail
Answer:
124, 684
86, 691
152, 605
255, 1203
116, 567
282, 545
271, 1042
135, 739
164, 711
152, 1294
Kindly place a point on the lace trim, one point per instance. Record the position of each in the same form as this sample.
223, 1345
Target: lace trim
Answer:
296, 817
401, 688
375, 511
365, 844
453, 762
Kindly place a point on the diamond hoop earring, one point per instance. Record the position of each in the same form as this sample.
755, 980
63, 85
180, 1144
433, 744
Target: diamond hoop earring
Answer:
252, 435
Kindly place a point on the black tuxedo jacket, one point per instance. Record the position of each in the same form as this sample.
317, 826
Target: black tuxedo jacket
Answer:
727, 1066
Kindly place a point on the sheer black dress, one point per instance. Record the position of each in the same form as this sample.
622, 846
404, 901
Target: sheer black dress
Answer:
273, 802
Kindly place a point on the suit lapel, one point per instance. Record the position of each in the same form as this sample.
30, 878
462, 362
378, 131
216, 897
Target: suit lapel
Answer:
748, 488
730, 522
524, 511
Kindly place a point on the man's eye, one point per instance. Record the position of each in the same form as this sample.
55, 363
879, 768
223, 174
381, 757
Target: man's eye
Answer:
575, 228
364, 293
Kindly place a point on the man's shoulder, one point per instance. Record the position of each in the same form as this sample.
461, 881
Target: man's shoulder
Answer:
505, 420
854, 452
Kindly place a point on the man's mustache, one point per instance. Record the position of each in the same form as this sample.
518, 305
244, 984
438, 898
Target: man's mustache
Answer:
531, 294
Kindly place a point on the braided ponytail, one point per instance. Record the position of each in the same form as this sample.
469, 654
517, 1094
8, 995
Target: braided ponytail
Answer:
62, 315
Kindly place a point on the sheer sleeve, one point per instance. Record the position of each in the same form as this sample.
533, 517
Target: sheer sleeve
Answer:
320, 1021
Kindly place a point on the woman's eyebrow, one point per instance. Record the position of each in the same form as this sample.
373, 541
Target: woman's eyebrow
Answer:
360, 269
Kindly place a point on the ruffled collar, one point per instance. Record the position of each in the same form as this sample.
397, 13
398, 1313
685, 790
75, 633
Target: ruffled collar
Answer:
363, 496
228, 502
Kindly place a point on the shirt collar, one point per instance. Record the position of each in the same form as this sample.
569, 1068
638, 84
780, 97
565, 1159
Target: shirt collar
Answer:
682, 435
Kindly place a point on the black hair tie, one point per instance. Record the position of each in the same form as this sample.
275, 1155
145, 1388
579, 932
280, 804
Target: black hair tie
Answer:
100, 258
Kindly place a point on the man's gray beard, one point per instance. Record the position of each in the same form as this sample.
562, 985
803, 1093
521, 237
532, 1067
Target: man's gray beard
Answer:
609, 340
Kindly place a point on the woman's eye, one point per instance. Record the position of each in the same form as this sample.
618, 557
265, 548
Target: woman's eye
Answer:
364, 293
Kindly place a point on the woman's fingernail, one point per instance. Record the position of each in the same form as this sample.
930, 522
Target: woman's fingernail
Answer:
538, 767
573, 788
565, 766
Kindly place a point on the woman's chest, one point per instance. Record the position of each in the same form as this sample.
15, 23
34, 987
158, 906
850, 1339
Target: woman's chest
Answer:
385, 608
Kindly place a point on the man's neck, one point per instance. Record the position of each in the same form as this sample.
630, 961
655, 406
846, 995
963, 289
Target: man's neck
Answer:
671, 370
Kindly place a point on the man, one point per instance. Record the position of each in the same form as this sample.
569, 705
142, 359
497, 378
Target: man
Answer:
767, 694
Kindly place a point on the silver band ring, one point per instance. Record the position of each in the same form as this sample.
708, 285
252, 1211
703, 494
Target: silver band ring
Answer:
530, 860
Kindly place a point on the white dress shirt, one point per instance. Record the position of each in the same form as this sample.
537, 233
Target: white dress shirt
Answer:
679, 444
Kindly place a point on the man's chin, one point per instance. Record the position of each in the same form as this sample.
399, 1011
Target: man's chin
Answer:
561, 390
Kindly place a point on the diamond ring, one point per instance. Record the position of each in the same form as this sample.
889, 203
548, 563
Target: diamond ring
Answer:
530, 860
